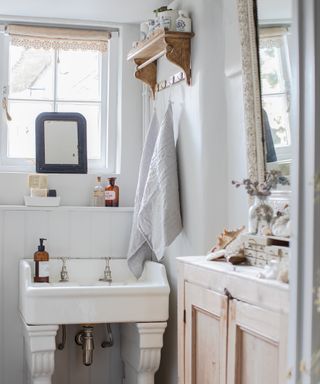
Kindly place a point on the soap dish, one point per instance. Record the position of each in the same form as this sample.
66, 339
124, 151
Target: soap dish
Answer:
31, 201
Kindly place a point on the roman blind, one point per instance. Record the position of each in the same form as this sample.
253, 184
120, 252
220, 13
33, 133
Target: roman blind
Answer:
271, 36
58, 38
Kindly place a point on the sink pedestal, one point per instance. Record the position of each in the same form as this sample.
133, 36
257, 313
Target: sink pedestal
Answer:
40, 345
141, 345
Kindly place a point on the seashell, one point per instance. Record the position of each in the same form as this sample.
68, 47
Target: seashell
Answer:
226, 237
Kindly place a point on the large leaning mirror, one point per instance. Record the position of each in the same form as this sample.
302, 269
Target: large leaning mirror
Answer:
265, 46
61, 143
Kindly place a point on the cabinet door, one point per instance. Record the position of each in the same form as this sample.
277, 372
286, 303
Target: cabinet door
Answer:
257, 343
206, 336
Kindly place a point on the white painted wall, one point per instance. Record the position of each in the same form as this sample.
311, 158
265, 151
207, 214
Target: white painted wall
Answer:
123, 11
211, 145
274, 10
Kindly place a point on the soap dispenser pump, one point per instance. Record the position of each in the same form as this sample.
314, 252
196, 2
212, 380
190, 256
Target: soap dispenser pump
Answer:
41, 260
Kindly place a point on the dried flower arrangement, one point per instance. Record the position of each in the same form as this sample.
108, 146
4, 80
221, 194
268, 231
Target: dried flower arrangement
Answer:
254, 188
161, 9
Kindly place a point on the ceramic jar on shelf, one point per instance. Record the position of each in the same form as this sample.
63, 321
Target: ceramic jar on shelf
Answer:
183, 22
167, 19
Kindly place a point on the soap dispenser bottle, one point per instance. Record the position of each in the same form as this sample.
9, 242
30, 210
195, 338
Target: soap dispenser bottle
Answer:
41, 260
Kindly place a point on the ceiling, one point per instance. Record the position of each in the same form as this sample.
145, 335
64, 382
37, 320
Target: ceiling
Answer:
117, 11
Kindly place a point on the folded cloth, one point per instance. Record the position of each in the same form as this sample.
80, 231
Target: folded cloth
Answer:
139, 250
159, 218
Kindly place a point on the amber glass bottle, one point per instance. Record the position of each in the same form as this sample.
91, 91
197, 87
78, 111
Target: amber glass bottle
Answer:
41, 260
112, 193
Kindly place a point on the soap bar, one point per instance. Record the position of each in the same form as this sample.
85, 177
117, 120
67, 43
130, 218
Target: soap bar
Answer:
38, 181
38, 192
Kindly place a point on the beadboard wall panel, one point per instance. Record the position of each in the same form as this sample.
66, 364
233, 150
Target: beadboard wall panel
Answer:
70, 233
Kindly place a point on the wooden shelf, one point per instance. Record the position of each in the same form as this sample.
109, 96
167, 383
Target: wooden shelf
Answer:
175, 46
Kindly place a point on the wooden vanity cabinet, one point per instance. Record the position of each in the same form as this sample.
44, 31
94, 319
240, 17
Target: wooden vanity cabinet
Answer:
223, 340
205, 335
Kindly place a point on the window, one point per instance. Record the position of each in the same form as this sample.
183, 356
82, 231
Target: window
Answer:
275, 86
39, 78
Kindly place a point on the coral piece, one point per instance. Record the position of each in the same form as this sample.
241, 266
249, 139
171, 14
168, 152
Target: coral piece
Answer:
225, 238
281, 225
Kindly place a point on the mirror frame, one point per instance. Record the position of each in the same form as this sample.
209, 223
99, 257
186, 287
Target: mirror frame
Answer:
247, 11
41, 165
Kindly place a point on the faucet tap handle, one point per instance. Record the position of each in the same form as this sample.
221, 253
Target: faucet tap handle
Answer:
107, 276
64, 273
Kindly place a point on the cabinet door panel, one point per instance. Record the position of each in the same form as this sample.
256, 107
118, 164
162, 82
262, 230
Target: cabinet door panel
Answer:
206, 336
256, 346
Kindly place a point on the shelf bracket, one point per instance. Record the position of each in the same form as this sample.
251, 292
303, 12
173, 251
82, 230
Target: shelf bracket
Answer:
147, 74
175, 46
178, 52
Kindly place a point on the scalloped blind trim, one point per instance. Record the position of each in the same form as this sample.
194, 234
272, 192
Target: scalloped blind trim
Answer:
58, 38
270, 37
267, 32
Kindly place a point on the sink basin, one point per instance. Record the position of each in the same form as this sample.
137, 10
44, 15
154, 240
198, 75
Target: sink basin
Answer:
85, 299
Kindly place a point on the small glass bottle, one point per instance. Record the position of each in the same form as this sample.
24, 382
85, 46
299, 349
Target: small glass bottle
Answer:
112, 193
98, 194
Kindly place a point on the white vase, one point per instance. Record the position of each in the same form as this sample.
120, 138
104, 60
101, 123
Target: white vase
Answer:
183, 22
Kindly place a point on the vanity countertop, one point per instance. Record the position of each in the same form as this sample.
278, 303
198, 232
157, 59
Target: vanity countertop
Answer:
239, 280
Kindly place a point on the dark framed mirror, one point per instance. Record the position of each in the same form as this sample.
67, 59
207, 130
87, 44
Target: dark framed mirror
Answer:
61, 143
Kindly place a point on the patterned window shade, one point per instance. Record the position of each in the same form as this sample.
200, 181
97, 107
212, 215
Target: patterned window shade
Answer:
58, 38
271, 36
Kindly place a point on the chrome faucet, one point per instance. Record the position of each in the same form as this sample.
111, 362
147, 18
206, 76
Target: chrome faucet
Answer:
64, 273
107, 272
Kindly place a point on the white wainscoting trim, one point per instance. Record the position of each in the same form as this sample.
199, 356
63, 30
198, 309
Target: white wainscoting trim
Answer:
66, 208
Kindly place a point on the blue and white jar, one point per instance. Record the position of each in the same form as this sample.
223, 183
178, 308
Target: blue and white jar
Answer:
183, 22
167, 19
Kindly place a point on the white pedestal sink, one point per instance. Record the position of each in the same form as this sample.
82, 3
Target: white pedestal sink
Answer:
142, 305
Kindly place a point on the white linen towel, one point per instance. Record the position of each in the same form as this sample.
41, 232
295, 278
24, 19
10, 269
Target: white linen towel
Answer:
139, 250
159, 218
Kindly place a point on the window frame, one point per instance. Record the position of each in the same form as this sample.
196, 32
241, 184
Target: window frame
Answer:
109, 76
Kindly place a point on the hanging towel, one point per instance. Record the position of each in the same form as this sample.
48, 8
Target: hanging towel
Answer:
159, 218
139, 250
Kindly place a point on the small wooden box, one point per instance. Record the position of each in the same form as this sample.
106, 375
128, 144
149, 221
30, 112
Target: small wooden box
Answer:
259, 250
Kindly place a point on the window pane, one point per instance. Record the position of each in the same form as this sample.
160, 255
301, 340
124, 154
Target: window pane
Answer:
31, 73
92, 114
79, 75
21, 129
272, 67
278, 114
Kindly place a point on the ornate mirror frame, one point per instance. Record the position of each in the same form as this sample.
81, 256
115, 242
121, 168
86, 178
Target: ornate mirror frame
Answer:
251, 89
